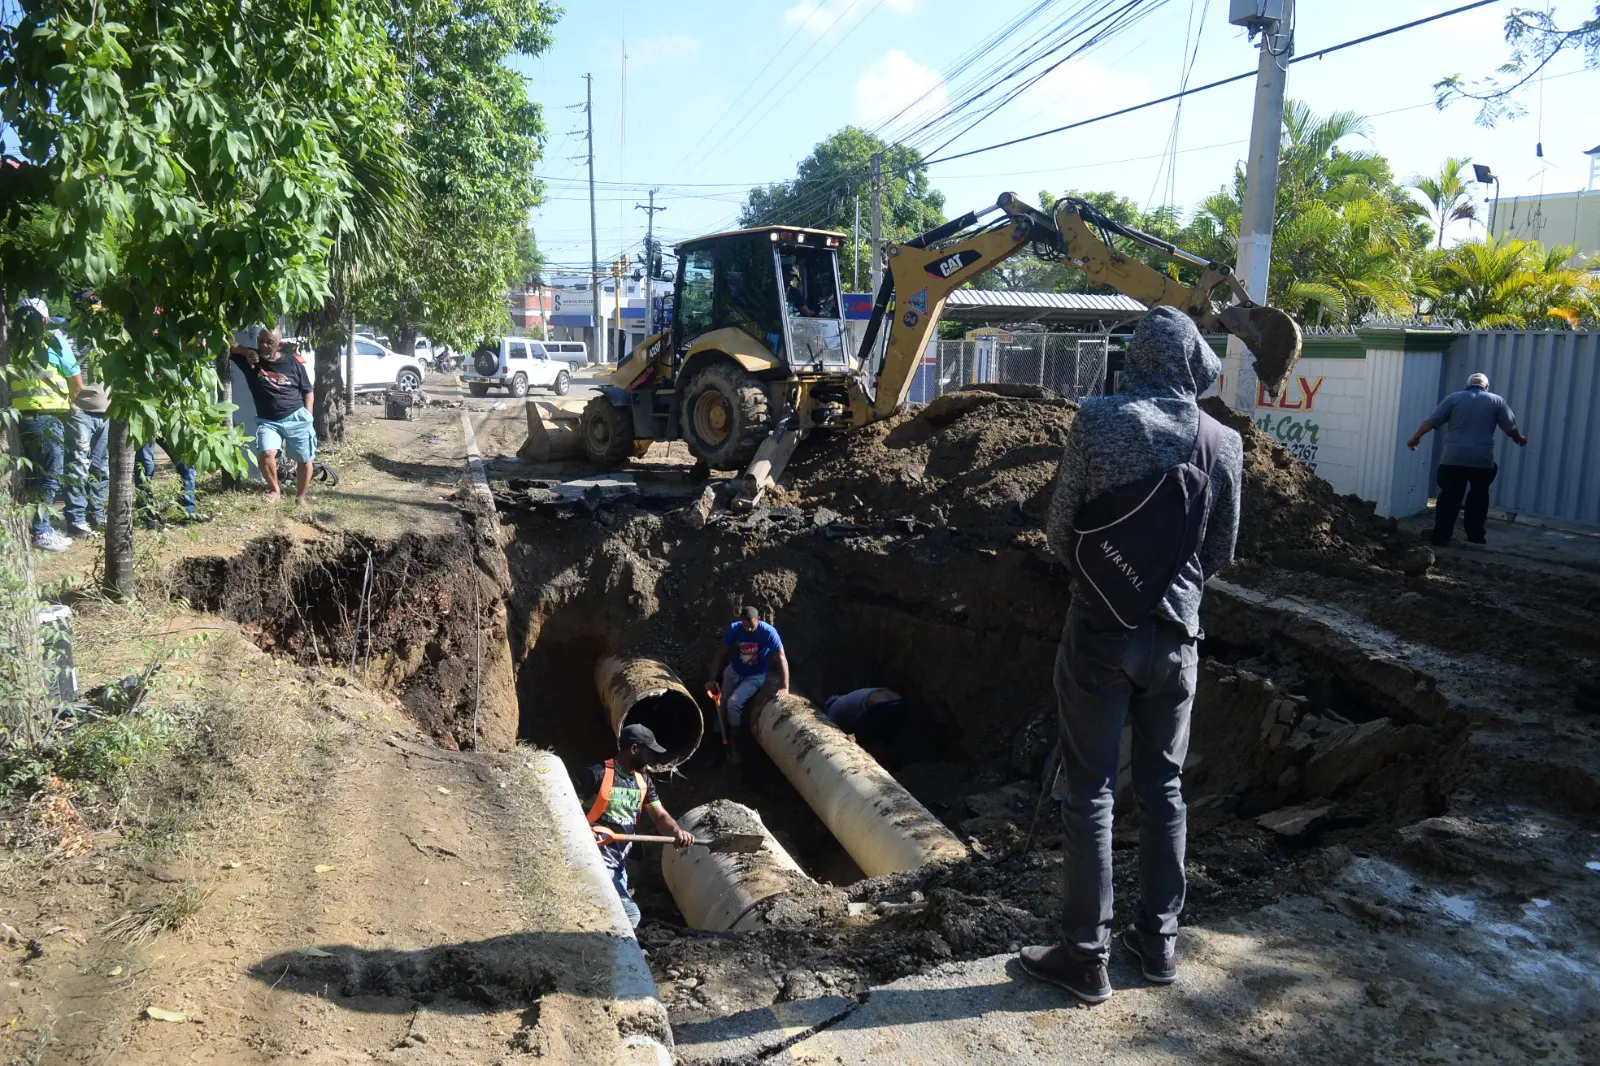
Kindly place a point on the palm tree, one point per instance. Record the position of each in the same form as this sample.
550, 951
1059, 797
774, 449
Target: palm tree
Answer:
1345, 233
1447, 195
1504, 283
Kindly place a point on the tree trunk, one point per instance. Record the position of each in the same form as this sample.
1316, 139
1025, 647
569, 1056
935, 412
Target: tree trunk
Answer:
119, 513
327, 413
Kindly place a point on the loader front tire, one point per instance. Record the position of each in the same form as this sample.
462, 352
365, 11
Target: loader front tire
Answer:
725, 416
607, 433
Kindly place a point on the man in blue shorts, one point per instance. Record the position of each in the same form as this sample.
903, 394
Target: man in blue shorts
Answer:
281, 389
739, 669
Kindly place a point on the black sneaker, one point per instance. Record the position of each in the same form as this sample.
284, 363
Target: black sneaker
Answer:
1086, 980
1477, 540
1160, 969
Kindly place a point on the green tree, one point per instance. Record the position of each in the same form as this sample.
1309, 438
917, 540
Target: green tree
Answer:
197, 161
829, 181
1535, 38
1345, 233
477, 140
1448, 196
1505, 283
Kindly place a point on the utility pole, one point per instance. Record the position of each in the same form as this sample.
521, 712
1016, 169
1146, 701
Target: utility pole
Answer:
594, 238
649, 257
855, 249
1260, 207
877, 222
617, 269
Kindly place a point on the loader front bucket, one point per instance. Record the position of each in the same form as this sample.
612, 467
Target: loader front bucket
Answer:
1272, 337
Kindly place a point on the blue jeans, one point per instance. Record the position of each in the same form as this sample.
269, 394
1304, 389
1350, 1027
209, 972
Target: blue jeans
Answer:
42, 437
738, 691
89, 472
1104, 677
619, 880
144, 472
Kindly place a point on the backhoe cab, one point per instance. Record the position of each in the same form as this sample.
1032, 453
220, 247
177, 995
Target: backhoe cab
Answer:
758, 319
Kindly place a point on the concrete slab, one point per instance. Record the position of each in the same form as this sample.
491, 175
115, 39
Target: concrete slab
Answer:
752, 1034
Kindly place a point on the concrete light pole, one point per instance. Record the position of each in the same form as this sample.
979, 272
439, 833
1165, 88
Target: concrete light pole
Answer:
1275, 20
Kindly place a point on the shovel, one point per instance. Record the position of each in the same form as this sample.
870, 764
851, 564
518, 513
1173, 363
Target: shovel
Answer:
728, 842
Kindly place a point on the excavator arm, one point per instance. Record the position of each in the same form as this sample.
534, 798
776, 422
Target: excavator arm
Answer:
925, 270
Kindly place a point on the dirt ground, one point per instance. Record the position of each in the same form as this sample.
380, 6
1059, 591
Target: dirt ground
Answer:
1394, 781
352, 889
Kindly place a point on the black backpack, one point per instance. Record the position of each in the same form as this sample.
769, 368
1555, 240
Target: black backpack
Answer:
1130, 542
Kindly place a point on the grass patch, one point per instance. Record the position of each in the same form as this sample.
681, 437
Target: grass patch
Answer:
145, 924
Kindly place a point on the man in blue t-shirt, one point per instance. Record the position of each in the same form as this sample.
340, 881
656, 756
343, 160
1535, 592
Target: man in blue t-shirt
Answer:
1466, 466
739, 669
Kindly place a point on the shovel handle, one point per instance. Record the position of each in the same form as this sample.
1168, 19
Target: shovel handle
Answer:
606, 836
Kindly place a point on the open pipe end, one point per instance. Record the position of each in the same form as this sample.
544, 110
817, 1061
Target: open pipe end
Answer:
646, 692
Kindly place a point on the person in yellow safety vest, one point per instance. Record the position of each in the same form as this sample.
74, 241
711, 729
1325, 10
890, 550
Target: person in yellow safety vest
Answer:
614, 792
44, 382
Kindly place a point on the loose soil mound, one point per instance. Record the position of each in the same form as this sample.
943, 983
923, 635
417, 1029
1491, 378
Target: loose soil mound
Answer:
984, 465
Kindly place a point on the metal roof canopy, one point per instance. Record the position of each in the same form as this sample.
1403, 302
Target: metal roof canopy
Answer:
1000, 306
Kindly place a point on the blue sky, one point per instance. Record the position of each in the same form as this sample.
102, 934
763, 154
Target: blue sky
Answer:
719, 95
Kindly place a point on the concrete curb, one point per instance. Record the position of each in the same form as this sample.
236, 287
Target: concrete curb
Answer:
638, 1004
476, 482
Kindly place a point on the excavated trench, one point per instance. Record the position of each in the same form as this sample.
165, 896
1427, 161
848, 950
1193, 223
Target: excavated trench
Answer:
967, 633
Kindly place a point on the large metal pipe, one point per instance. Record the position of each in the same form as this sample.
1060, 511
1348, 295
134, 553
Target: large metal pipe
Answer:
646, 692
723, 892
880, 824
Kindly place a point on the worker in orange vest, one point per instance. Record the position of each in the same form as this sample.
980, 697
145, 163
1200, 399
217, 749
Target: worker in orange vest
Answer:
614, 792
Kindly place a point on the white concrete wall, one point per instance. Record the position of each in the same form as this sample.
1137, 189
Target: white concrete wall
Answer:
1321, 418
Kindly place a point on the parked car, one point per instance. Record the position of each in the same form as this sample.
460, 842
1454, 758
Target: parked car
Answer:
515, 364
574, 352
378, 366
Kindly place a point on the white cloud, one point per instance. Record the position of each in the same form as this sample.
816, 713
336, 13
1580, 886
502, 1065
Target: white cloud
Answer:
660, 50
818, 16
894, 81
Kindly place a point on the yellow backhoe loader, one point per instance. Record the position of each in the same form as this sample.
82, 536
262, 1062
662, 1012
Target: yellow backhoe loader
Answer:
759, 355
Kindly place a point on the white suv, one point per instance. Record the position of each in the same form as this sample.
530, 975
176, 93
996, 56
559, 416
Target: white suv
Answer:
515, 364
380, 367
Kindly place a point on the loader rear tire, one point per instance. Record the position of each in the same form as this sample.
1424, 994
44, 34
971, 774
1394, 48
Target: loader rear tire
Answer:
607, 433
725, 416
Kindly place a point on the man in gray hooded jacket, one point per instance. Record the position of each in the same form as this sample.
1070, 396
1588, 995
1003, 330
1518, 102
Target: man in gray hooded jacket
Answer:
1106, 675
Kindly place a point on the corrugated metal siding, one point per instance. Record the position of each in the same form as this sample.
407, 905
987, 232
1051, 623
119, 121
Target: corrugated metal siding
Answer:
1552, 381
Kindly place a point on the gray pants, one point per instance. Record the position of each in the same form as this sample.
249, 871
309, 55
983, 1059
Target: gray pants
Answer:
1106, 675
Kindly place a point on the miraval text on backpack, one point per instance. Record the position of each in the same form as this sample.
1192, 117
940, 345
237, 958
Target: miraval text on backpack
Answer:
1131, 541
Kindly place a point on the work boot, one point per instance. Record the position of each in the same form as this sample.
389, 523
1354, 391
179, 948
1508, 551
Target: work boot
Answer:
1086, 980
1159, 967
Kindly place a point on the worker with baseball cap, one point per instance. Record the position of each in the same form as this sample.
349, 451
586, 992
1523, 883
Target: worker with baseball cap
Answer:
613, 793
1466, 466
45, 379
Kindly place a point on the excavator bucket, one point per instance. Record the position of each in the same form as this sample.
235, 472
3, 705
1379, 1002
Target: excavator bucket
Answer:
1272, 337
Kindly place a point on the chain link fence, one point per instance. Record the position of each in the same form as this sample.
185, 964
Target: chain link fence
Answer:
1073, 364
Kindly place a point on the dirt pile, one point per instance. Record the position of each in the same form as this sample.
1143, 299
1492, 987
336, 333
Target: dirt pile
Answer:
1288, 512
982, 463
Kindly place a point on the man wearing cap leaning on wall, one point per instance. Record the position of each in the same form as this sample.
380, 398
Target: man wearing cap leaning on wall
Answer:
613, 793
1467, 467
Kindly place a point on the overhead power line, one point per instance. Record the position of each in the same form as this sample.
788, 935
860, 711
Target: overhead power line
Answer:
1210, 85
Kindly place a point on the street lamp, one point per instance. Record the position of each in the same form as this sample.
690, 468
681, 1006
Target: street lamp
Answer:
1485, 176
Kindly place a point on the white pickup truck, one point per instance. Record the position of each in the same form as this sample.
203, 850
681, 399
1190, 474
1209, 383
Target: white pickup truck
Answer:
515, 364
